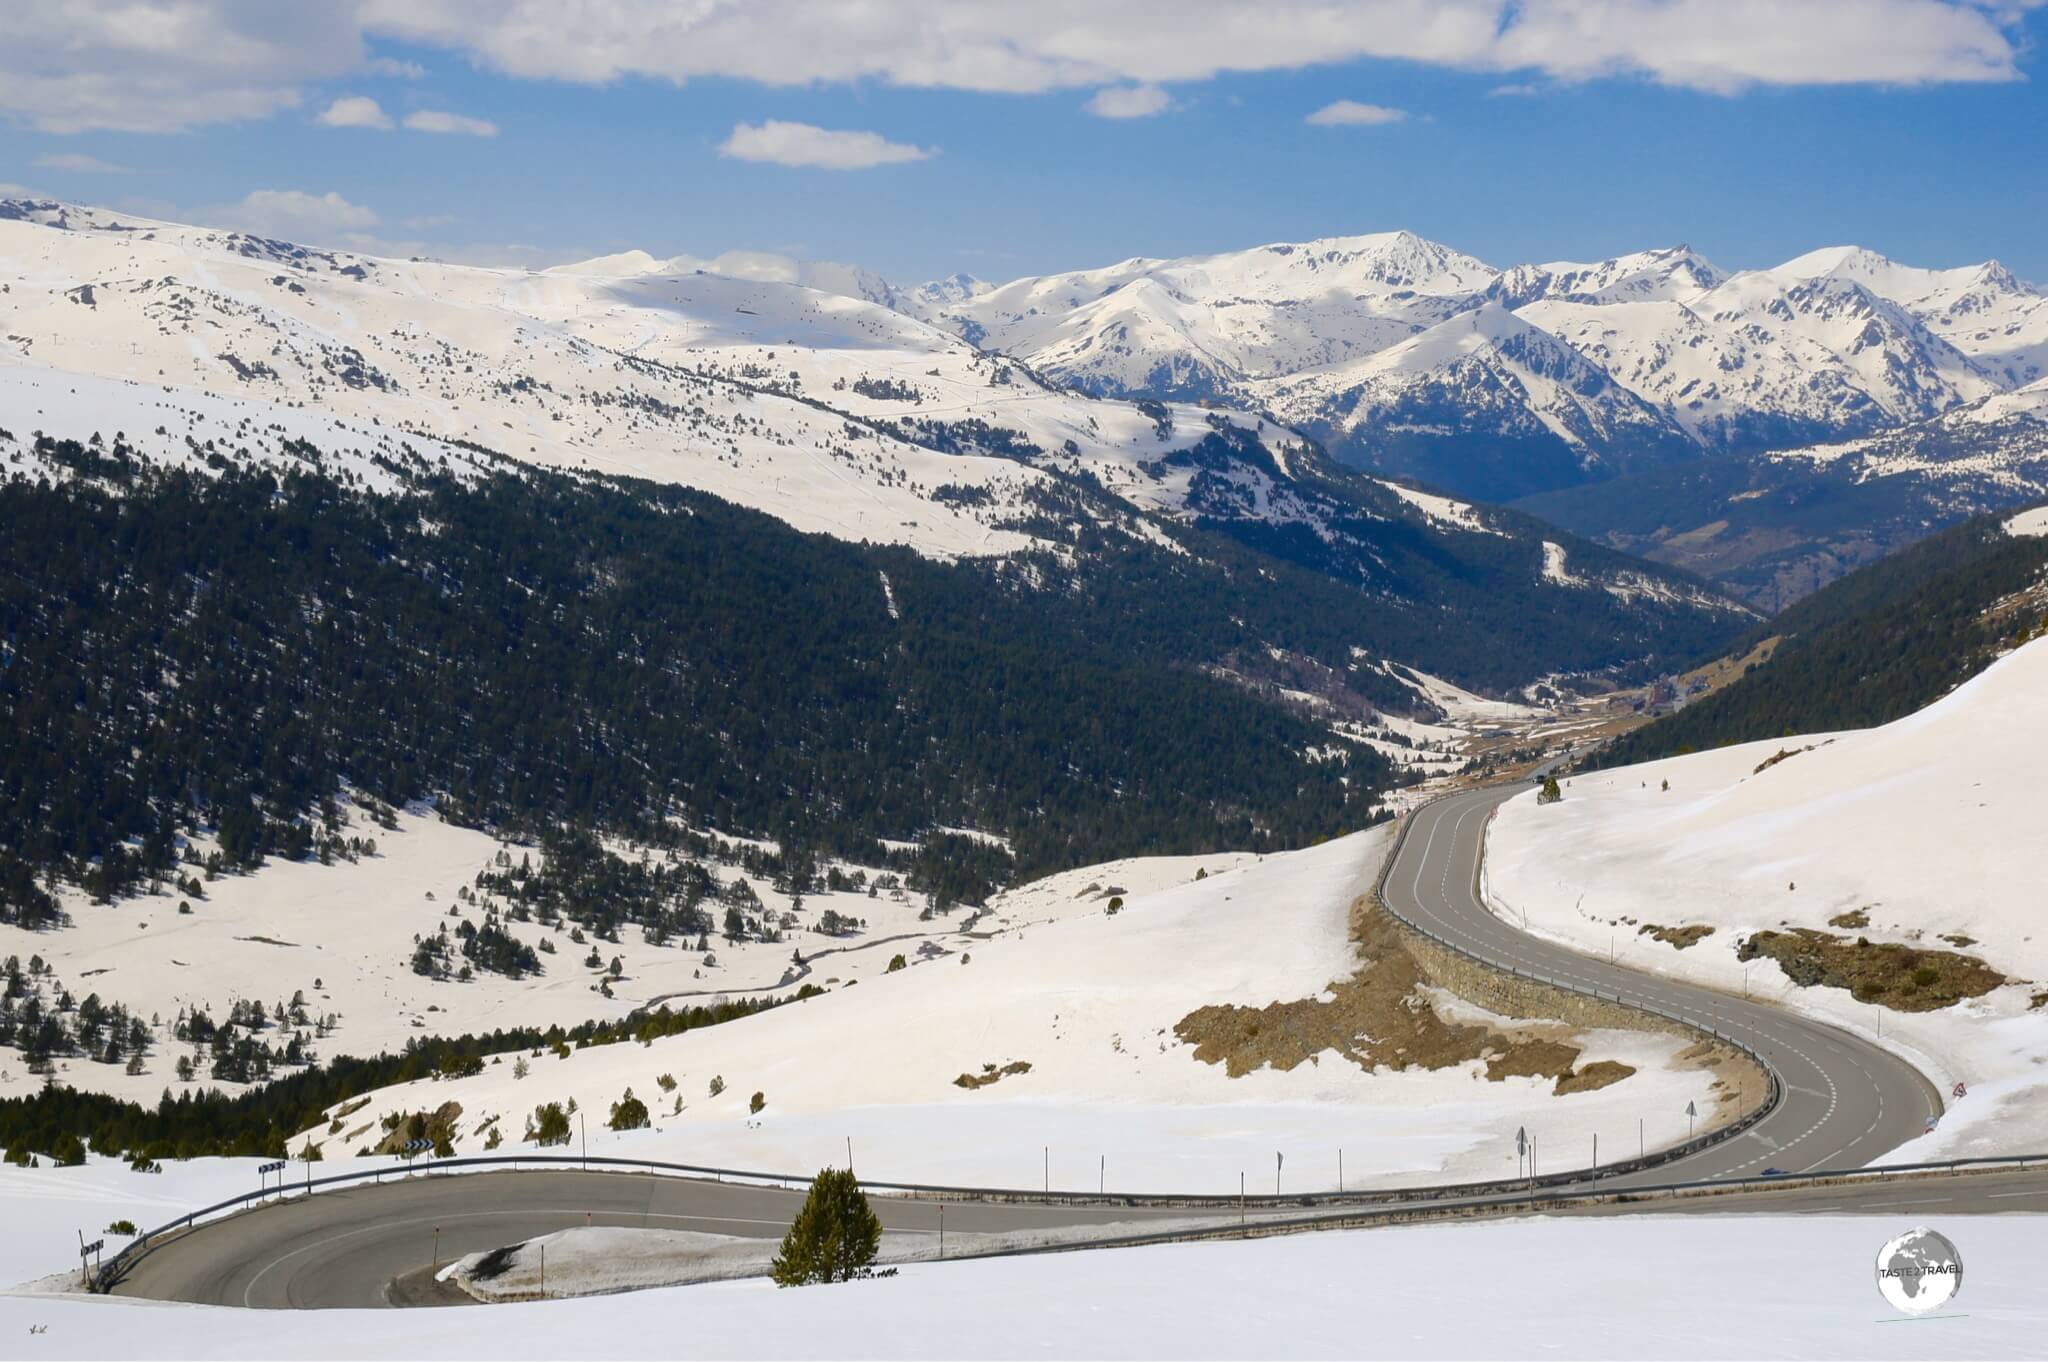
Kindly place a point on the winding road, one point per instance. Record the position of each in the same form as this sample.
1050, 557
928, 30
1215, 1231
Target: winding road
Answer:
1845, 1102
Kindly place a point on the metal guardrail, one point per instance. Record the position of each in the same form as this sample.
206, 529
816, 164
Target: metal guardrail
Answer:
1353, 1208
1774, 1091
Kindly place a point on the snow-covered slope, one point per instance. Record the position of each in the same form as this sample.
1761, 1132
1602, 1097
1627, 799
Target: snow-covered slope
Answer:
1089, 1004
1929, 828
831, 412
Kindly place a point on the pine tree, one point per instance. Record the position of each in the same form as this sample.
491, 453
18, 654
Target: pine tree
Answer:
835, 1236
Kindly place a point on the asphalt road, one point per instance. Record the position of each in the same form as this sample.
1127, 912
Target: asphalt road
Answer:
342, 1248
348, 1248
1846, 1101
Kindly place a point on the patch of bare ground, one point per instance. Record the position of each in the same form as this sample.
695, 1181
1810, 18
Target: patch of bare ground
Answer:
1735, 1085
1677, 937
1903, 978
991, 1074
1591, 1077
1851, 920
437, 1127
1381, 1017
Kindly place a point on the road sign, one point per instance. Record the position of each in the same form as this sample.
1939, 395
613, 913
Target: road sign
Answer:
413, 1147
1691, 1109
1959, 1090
1932, 1122
1521, 1140
87, 1250
274, 1166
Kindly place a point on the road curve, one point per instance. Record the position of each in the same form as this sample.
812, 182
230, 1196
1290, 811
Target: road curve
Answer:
1845, 1101
343, 1248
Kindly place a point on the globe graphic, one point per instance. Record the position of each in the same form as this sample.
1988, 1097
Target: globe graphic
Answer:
1919, 1271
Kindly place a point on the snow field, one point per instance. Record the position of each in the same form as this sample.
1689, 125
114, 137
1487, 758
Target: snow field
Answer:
343, 935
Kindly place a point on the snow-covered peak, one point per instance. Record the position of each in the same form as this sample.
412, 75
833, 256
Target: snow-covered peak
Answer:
1984, 310
1672, 274
1923, 290
622, 265
950, 291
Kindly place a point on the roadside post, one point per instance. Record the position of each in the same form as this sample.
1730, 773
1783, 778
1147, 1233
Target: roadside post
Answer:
1691, 1110
85, 1251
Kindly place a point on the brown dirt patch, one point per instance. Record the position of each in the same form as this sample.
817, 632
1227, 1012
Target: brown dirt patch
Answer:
1679, 937
991, 1074
1903, 978
1854, 918
1378, 1018
1596, 1075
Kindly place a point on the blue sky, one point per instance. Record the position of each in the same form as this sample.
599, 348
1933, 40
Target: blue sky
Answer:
548, 153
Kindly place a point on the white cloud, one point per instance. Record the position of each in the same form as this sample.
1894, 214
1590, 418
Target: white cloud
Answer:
355, 111
434, 120
1051, 44
1515, 90
78, 164
160, 65
1349, 113
295, 215
392, 69
1129, 101
800, 144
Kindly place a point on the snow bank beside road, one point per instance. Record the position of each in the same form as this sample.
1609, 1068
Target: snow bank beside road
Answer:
1930, 827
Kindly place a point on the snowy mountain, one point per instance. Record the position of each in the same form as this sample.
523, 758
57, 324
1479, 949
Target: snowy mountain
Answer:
1220, 325
1326, 336
805, 391
1982, 310
1485, 396
1771, 527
